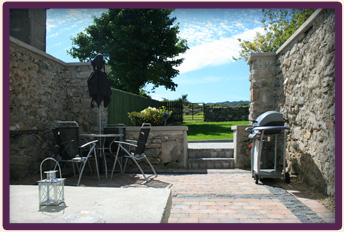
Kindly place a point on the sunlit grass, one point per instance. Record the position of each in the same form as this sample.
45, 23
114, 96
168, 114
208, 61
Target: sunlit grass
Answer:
199, 130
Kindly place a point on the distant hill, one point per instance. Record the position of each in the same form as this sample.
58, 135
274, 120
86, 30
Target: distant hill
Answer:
229, 103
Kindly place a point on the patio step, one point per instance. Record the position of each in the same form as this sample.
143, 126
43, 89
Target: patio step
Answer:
211, 154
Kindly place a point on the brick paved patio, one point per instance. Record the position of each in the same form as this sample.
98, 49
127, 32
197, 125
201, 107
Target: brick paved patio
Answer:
231, 196
227, 196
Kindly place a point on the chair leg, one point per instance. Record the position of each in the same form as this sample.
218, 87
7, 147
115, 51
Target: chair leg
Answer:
95, 157
150, 165
114, 164
113, 167
81, 172
74, 169
137, 164
120, 164
125, 165
90, 167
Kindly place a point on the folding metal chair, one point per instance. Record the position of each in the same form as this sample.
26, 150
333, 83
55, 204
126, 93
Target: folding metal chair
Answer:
110, 144
66, 134
136, 155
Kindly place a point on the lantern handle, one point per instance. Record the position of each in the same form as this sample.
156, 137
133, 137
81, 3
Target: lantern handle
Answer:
57, 163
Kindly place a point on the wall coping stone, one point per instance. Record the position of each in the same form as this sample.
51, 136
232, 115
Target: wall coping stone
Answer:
292, 38
160, 128
302, 29
44, 54
260, 54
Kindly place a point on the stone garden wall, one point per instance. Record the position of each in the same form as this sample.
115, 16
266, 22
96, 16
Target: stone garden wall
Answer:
167, 146
213, 114
241, 147
299, 81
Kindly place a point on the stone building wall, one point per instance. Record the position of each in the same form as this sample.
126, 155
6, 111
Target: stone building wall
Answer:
212, 114
43, 90
299, 81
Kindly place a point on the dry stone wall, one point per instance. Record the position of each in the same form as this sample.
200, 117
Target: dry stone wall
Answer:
299, 82
212, 114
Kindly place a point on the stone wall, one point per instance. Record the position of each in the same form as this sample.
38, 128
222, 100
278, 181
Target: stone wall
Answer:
43, 90
299, 81
241, 147
166, 148
212, 114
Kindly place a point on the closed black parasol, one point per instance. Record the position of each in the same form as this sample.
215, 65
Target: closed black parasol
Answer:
99, 85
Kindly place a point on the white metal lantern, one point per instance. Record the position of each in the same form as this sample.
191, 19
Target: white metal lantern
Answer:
51, 190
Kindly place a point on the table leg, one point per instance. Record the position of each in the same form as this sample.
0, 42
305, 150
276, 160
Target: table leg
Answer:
103, 148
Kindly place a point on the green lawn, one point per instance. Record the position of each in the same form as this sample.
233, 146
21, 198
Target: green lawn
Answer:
199, 130
196, 117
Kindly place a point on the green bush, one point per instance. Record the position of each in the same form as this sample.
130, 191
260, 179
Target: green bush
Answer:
154, 116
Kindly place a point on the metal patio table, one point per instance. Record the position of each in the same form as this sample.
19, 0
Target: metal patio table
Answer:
101, 144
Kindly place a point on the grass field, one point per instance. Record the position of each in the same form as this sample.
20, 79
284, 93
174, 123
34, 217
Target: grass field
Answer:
199, 130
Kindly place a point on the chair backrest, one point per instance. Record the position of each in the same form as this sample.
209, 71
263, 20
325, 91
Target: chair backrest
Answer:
67, 139
143, 138
114, 129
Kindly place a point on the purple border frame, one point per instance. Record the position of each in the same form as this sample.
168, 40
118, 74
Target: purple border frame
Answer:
171, 226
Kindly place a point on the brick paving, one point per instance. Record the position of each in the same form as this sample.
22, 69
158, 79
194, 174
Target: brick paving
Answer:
231, 196
226, 196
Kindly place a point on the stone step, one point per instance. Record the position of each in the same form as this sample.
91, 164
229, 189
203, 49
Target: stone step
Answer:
211, 163
211, 153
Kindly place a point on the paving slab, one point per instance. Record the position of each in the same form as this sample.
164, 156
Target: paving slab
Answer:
116, 205
211, 145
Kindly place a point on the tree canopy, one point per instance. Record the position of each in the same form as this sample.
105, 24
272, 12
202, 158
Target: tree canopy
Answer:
141, 46
279, 25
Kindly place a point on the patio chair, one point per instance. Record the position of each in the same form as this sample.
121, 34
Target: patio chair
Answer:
124, 150
109, 144
66, 134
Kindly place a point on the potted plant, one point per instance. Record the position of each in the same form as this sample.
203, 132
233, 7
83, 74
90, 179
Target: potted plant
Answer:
152, 115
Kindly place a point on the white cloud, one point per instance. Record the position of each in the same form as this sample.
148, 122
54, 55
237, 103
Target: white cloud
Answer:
50, 26
215, 52
52, 35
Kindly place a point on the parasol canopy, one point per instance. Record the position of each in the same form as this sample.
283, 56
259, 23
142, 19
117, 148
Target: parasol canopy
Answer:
99, 83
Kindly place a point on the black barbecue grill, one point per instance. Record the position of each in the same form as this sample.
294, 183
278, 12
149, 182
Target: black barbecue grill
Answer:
266, 130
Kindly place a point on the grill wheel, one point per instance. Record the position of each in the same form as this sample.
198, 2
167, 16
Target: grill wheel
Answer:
287, 178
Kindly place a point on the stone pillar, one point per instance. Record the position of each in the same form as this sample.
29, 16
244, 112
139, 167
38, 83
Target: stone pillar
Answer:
262, 78
241, 149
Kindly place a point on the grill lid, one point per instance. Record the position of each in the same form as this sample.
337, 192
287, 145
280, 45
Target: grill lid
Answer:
269, 118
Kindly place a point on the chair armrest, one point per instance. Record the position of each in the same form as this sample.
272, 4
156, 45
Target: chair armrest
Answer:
125, 143
132, 141
89, 143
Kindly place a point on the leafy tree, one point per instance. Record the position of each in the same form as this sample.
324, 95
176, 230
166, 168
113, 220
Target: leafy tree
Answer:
140, 45
279, 25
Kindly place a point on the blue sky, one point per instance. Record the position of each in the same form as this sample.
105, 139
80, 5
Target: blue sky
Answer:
208, 73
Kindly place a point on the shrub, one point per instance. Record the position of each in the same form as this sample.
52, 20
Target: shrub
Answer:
154, 116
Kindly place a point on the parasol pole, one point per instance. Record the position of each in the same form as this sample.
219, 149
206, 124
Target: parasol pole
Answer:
100, 119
